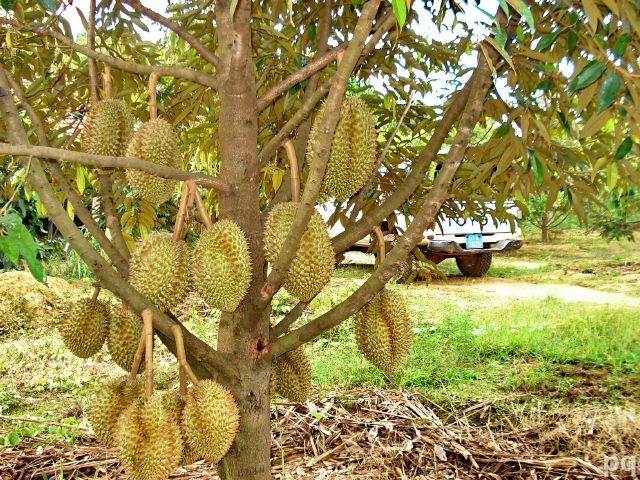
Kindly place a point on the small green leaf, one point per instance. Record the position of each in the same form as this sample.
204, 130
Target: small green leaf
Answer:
13, 439
623, 149
565, 122
537, 167
232, 7
49, 5
620, 47
547, 40
608, 91
400, 11
501, 37
505, 7
18, 241
523, 9
7, 4
502, 130
589, 74
572, 42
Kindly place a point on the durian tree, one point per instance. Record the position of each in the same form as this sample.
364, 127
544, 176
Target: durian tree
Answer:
197, 162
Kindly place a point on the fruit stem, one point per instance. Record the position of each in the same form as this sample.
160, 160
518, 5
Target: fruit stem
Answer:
381, 248
153, 102
206, 218
147, 318
186, 201
184, 367
137, 358
293, 169
96, 292
106, 82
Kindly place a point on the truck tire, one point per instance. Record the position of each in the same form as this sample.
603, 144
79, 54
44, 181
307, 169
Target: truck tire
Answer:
474, 265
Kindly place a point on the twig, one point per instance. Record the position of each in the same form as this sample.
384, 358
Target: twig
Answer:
185, 205
206, 218
111, 216
182, 356
96, 293
137, 357
107, 81
104, 161
153, 101
42, 422
381, 247
91, 44
293, 169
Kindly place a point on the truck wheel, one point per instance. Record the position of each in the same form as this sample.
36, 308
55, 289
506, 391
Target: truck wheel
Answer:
474, 265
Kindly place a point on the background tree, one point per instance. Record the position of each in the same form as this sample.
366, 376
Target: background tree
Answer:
545, 99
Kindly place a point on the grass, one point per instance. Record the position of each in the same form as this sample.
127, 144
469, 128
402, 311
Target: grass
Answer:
471, 341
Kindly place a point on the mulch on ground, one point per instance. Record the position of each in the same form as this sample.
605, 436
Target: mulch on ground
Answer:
359, 434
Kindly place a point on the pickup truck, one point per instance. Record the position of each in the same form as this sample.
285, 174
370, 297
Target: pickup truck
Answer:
470, 241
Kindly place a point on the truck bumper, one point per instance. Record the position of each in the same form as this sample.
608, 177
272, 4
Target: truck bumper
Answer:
444, 247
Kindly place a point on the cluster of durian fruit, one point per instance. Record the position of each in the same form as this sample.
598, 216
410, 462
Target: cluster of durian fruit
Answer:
152, 435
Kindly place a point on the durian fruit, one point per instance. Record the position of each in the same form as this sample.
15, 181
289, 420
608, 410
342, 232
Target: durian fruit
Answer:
210, 420
313, 264
292, 375
159, 270
383, 331
221, 269
124, 335
108, 128
148, 440
174, 402
84, 327
353, 149
155, 141
110, 401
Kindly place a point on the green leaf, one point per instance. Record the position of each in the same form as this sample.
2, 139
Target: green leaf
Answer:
49, 5
537, 167
502, 130
505, 7
547, 40
400, 11
7, 4
500, 36
232, 7
623, 149
608, 91
13, 439
565, 122
523, 9
589, 74
572, 41
18, 241
620, 47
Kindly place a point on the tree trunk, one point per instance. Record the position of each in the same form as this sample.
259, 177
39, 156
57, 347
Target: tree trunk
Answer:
544, 227
249, 458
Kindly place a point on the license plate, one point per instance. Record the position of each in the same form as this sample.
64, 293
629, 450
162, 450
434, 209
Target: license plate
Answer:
474, 241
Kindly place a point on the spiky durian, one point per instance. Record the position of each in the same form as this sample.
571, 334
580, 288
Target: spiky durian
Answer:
159, 270
148, 440
353, 149
292, 372
210, 420
221, 270
155, 141
174, 402
313, 264
124, 335
383, 331
107, 128
84, 327
110, 401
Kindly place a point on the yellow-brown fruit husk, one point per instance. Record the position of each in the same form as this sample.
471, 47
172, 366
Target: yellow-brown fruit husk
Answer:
292, 372
210, 420
124, 335
108, 127
174, 402
383, 331
110, 401
159, 270
313, 264
155, 142
221, 269
84, 327
148, 440
353, 149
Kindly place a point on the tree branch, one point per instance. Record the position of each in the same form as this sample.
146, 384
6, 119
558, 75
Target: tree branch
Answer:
110, 213
290, 318
185, 73
208, 362
102, 161
91, 44
319, 161
305, 72
58, 176
427, 213
204, 52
